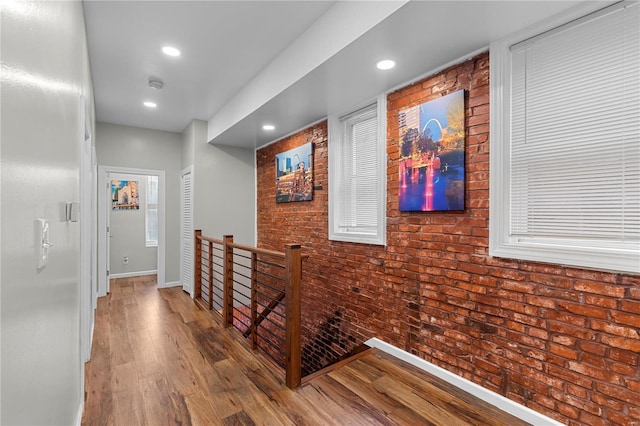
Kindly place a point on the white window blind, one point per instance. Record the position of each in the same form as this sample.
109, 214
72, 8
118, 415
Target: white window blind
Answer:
575, 152
151, 212
359, 177
357, 155
572, 152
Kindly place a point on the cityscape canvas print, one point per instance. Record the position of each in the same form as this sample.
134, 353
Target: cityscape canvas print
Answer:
124, 195
294, 174
432, 144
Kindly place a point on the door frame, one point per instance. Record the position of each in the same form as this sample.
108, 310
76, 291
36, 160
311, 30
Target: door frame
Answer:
104, 210
88, 238
88, 276
183, 173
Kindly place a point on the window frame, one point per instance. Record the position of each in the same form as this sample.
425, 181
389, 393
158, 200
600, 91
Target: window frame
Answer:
336, 133
587, 254
148, 207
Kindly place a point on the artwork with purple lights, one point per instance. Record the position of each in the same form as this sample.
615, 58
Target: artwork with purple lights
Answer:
432, 143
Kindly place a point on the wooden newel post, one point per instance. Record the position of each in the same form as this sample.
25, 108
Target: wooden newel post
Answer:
197, 264
293, 271
227, 279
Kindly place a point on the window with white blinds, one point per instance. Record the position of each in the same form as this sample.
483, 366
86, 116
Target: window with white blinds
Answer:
357, 177
566, 151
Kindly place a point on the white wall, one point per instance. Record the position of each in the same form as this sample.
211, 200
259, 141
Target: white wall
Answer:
128, 234
133, 147
188, 148
45, 72
223, 186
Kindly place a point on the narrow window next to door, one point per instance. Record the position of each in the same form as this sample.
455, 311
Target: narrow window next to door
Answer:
151, 219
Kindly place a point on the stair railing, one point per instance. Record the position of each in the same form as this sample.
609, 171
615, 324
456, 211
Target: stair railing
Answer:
224, 272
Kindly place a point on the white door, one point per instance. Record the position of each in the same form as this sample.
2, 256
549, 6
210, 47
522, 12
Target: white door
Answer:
186, 231
94, 229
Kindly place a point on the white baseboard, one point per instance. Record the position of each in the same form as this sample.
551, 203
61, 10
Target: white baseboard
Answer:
80, 410
93, 326
518, 410
170, 284
133, 274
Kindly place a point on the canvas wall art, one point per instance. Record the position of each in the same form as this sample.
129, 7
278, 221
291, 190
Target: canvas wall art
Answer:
294, 174
124, 195
432, 145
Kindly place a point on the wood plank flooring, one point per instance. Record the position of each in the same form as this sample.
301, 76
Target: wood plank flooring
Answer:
160, 359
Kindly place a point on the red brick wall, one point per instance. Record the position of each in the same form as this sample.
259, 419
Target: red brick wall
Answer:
561, 340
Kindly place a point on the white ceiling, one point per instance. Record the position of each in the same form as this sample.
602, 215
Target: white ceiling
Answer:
228, 46
223, 45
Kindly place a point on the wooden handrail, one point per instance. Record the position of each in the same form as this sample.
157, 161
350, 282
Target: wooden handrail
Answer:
211, 240
259, 250
247, 248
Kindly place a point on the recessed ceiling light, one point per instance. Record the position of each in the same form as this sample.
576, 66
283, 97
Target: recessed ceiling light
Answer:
149, 104
171, 51
268, 127
386, 64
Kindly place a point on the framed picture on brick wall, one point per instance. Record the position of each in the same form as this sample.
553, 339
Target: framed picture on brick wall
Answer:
294, 174
431, 165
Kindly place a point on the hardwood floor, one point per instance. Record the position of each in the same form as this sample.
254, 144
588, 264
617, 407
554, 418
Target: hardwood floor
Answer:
159, 359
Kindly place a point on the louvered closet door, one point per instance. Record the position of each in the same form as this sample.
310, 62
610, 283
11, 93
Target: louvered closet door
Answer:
186, 231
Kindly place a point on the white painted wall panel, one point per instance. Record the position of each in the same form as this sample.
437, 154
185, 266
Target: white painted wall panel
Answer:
224, 188
44, 75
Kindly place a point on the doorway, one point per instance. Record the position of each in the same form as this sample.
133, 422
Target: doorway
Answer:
104, 210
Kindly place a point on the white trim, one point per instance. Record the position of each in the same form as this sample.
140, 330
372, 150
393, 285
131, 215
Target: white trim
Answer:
80, 411
588, 254
93, 327
94, 230
518, 410
170, 284
336, 129
88, 242
103, 172
134, 274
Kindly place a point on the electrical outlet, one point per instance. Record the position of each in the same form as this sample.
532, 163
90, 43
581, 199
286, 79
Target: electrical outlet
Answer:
125, 260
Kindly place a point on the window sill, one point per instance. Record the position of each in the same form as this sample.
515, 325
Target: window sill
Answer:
599, 258
359, 239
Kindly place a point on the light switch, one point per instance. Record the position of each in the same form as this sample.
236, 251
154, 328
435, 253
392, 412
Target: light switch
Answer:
72, 211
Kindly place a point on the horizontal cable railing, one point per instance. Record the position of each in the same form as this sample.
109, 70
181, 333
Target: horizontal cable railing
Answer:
256, 291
